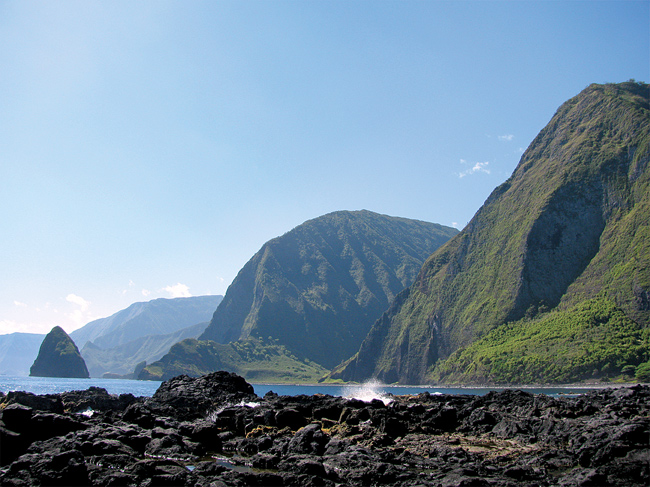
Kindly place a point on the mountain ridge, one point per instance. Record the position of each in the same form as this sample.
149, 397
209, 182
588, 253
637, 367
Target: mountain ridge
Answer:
539, 233
156, 317
123, 359
313, 293
315, 287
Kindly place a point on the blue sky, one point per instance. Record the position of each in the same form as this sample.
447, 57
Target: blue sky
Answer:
148, 149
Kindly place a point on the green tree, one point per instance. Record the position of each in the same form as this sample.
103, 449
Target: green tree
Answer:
643, 372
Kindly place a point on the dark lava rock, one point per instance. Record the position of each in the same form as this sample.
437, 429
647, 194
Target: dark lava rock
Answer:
190, 398
96, 399
201, 433
290, 418
310, 440
52, 404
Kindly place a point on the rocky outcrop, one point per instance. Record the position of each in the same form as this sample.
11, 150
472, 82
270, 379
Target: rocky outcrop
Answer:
189, 398
500, 439
59, 357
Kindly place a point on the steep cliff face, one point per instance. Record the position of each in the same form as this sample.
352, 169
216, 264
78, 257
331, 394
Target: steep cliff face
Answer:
318, 288
59, 357
570, 224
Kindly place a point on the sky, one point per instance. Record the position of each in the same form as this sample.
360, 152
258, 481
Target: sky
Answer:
148, 149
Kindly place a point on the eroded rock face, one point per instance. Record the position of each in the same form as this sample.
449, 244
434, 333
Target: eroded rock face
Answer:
501, 439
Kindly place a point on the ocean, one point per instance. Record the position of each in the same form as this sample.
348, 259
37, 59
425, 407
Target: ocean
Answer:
368, 391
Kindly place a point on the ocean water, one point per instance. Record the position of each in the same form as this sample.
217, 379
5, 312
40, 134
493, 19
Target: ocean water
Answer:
54, 385
366, 392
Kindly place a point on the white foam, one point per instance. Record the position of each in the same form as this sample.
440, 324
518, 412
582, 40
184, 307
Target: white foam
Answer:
248, 404
367, 392
213, 415
88, 413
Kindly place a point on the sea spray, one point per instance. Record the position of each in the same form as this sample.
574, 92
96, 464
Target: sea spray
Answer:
368, 391
212, 415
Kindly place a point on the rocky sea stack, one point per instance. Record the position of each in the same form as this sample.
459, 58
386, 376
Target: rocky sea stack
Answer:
214, 431
59, 357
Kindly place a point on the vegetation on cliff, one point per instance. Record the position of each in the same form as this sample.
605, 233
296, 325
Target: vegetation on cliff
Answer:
595, 339
570, 225
251, 358
59, 357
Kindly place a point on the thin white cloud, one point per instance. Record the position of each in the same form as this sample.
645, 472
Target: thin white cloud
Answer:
178, 291
506, 138
78, 300
20, 304
478, 167
146, 292
79, 317
11, 326
455, 225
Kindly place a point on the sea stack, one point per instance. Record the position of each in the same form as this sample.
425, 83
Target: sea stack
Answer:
59, 357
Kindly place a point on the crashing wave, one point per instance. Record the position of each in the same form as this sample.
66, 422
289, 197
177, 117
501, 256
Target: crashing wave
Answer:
368, 391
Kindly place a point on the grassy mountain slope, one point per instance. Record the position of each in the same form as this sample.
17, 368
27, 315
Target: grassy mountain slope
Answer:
318, 288
570, 224
156, 317
253, 359
594, 339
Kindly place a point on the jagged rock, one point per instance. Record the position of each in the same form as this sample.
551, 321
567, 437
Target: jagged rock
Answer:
52, 404
501, 439
97, 399
185, 397
309, 440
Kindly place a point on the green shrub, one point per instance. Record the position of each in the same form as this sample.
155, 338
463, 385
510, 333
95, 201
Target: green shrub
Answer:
643, 372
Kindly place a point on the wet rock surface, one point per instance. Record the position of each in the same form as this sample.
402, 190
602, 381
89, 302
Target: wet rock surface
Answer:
213, 431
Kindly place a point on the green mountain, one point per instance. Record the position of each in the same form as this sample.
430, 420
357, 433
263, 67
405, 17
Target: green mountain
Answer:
58, 357
317, 289
553, 267
253, 359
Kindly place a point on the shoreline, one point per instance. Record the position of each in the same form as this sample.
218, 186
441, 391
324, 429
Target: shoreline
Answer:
214, 430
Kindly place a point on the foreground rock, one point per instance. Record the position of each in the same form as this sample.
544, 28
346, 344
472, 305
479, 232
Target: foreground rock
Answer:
213, 431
